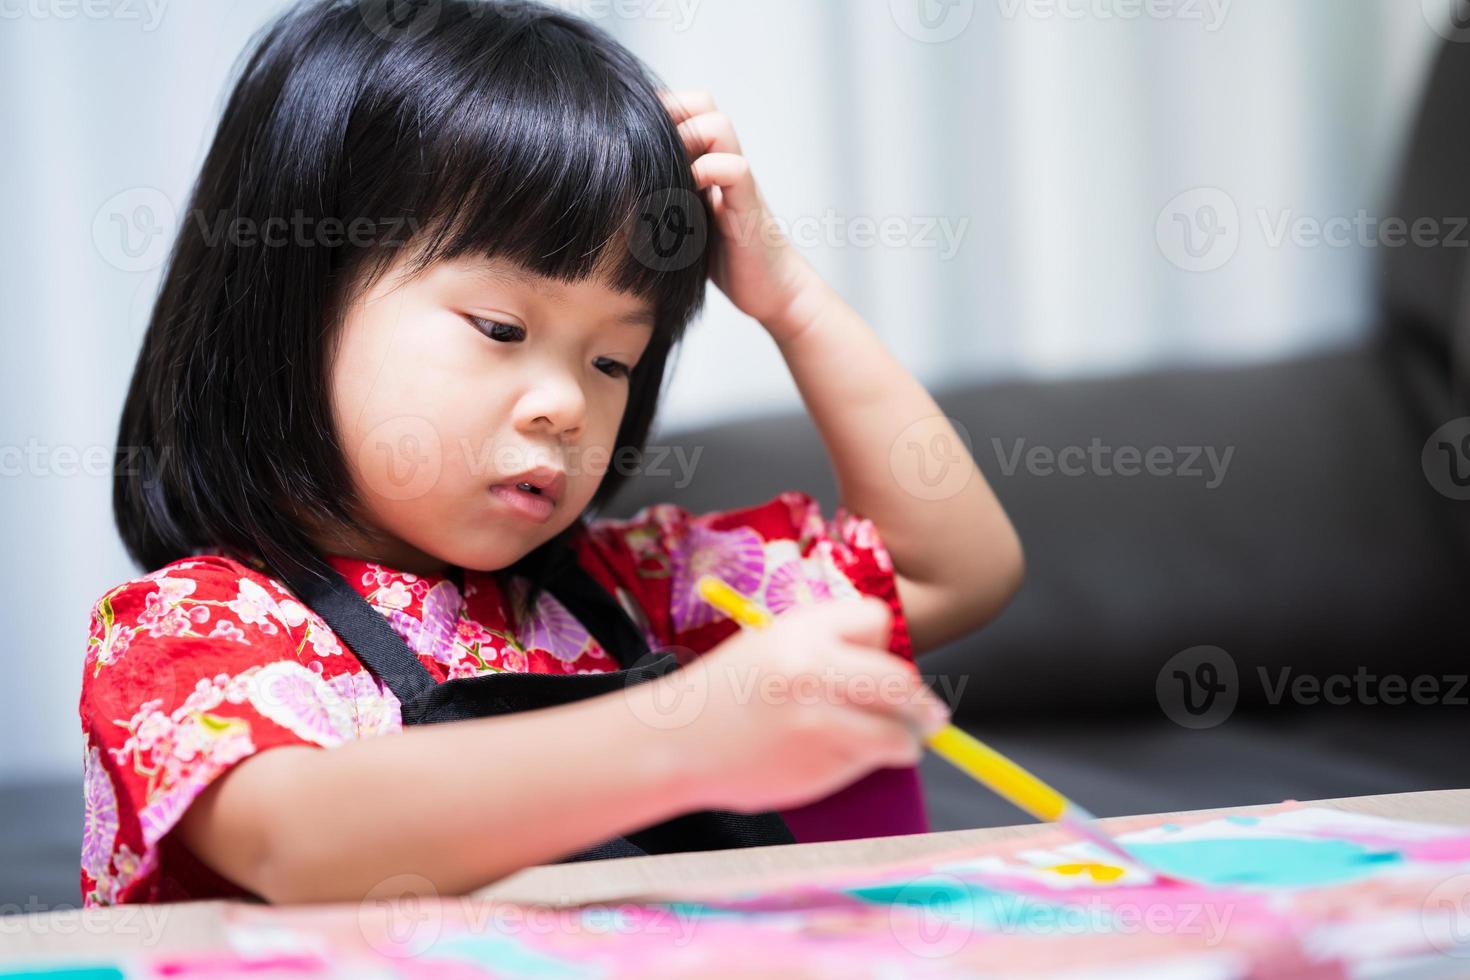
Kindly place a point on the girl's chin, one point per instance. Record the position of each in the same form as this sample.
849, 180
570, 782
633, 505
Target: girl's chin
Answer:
497, 550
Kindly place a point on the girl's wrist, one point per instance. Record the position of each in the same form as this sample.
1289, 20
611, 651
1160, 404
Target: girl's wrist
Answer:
661, 735
808, 305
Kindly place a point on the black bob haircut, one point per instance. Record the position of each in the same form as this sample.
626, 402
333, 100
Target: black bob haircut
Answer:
491, 128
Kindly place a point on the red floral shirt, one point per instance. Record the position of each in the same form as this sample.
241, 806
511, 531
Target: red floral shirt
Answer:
207, 661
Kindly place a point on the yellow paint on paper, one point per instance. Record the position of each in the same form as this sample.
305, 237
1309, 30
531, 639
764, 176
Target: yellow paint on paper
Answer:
1097, 872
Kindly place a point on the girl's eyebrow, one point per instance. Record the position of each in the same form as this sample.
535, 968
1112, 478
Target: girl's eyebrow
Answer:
512, 276
640, 317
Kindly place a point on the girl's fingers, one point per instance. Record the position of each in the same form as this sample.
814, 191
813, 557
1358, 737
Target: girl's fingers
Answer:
892, 741
709, 139
709, 132
684, 104
731, 173
869, 681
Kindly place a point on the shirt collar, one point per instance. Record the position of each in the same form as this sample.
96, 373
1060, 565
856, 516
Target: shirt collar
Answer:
423, 609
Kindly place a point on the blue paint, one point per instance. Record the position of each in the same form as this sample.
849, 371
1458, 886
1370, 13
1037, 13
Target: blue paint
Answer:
981, 907
932, 893
1278, 861
1243, 821
1172, 828
504, 954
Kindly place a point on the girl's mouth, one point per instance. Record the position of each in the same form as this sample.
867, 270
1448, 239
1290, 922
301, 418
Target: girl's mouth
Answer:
525, 499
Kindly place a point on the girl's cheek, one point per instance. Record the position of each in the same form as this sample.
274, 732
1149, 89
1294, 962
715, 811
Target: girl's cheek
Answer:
398, 460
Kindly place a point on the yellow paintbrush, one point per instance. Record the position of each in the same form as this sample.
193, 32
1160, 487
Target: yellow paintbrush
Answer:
964, 751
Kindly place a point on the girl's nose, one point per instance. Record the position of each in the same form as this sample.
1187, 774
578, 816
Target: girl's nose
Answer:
555, 402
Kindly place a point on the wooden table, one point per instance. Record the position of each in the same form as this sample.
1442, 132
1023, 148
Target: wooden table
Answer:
199, 925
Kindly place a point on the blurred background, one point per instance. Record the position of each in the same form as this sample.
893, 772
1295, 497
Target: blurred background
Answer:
1083, 223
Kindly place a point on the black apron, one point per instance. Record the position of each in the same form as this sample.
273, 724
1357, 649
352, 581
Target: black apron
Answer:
426, 701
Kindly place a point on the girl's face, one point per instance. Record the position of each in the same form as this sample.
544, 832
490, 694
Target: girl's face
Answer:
449, 388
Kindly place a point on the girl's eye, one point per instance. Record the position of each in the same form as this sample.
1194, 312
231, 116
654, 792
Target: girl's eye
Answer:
614, 369
510, 333
506, 332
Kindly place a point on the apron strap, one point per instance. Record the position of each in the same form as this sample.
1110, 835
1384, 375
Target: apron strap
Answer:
362, 628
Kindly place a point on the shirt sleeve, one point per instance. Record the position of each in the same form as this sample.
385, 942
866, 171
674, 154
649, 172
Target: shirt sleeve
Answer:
784, 552
188, 670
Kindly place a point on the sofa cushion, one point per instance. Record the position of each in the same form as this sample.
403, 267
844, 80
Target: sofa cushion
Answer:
1309, 540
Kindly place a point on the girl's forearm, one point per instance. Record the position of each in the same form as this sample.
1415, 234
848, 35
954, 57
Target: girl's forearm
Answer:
458, 803
899, 462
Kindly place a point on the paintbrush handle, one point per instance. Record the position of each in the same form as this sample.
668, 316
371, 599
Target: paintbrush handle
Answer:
1021, 788
999, 773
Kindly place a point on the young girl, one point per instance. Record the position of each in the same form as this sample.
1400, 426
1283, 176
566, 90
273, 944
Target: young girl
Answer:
420, 305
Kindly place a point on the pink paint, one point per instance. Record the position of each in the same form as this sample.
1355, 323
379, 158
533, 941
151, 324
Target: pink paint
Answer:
233, 965
1443, 849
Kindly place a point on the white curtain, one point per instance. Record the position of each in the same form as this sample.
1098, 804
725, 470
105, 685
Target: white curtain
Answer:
1054, 133
987, 189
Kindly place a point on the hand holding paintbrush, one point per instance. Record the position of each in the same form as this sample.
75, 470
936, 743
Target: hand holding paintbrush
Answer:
960, 749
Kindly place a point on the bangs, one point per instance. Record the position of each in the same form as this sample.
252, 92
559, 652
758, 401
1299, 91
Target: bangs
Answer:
549, 148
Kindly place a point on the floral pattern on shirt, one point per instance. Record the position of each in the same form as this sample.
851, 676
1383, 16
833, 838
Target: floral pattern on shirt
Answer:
783, 553
434, 619
195, 666
188, 670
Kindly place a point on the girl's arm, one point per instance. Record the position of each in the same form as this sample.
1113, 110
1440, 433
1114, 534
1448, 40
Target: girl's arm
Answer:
898, 460
459, 803
463, 803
